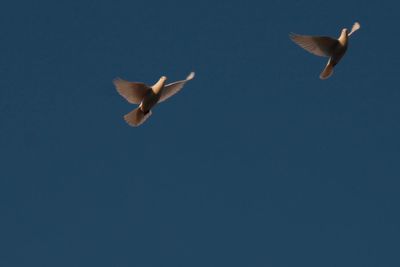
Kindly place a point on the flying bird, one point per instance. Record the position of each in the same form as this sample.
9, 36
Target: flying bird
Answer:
146, 96
326, 47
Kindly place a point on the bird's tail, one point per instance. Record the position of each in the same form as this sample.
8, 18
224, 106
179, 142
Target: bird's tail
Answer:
136, 117
327, 72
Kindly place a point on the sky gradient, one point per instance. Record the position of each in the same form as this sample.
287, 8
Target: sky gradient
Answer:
256, 162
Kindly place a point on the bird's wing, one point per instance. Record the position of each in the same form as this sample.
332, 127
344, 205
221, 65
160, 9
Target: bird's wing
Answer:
133, 92
318, 45
355, 28
173, 88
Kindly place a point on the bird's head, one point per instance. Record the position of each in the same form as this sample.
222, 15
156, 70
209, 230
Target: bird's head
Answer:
159, 85
344, 36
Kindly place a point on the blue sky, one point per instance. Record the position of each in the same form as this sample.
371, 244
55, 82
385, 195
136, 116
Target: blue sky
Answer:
256, 162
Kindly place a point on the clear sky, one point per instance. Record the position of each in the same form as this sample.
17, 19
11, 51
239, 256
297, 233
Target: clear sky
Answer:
256, 162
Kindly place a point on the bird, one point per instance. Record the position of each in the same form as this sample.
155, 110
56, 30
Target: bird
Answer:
326, 47
147, 96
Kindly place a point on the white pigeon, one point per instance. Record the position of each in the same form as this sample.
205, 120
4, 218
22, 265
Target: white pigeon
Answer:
326, 47
146, 96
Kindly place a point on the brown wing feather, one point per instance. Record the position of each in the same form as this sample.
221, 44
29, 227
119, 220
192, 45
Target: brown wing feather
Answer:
133, 92
173, 88
318, 45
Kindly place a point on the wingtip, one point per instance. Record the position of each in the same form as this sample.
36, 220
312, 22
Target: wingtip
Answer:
293, 36
357, 25
116, 80
190, 76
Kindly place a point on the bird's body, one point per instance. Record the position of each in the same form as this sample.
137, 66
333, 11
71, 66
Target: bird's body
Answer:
149, 101
324, 46
152, 96
146, 97
340, 48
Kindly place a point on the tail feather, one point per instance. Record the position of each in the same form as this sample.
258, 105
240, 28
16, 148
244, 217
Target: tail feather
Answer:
327, 72
136, 117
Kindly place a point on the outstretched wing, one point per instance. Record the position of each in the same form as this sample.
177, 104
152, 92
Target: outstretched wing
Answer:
318, 45
133, 92
173, 88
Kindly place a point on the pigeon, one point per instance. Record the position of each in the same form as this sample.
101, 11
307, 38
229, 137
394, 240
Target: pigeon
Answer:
326, 47
146, 96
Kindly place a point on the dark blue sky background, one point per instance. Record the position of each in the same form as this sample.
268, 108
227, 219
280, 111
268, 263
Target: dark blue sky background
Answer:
256, 162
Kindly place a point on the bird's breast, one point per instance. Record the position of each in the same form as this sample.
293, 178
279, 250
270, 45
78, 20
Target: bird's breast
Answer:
339, 53
149, 101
